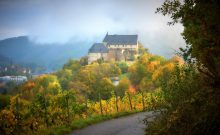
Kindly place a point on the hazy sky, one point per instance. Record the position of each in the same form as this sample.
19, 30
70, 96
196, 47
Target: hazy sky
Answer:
61, 21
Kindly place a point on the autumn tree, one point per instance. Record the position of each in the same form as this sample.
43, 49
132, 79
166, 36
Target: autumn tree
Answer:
123, 67
81, 89
64, 76
146, 85
83, 61
46, 86
141, 49
122, 87
73, 65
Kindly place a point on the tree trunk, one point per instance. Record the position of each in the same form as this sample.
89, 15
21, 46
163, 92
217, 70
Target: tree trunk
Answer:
45, 112
116, 101
86, 103
100, 103
17, 116
129, 98
142, 96
68, 111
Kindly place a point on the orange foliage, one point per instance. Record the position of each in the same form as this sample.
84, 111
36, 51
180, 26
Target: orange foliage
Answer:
132, 89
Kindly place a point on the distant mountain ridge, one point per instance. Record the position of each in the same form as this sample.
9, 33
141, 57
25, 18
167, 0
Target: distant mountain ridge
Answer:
4, 61
21, 50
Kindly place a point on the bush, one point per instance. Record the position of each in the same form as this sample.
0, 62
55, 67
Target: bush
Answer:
4, 101
7, 122
123, 66
192, 106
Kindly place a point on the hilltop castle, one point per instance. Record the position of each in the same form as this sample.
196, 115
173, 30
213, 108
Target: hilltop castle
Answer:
115, 48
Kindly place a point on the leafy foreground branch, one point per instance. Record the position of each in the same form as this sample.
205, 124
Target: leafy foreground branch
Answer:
192, 93
192, 108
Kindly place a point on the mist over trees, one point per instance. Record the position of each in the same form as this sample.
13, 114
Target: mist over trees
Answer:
185, 91
79, 91
48, 57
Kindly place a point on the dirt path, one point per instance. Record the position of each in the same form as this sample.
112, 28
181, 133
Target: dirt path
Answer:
129, 125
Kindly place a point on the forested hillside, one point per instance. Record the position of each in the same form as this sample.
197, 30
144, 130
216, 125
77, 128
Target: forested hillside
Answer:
80, 92
23, 51
183, 90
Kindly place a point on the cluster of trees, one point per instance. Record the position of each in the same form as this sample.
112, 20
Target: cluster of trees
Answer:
192, 92
79, 90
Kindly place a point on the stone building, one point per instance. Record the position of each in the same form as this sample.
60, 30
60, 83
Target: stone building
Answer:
98, 51
115, 48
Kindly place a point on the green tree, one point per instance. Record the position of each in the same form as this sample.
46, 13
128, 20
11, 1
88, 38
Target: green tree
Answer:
104, 89
192, 92
83, 61
73, 65
64, 76
122, 87
200, 19
68, 103
4, 101
81, 89
123, 67
146, 85
141, 49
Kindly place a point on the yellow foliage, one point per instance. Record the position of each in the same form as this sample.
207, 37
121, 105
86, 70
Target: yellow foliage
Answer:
7, 121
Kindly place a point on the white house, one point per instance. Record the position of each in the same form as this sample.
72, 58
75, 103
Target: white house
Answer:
16, 79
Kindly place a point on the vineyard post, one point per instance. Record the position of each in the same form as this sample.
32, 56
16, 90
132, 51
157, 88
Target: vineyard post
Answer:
129, 98
68, 111
142, 95
116, 101
100, 103
17, 115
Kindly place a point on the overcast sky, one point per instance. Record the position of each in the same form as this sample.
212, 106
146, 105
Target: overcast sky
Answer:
61, 21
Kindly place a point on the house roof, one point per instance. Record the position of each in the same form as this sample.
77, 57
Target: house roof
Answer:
98, 48
121, 39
